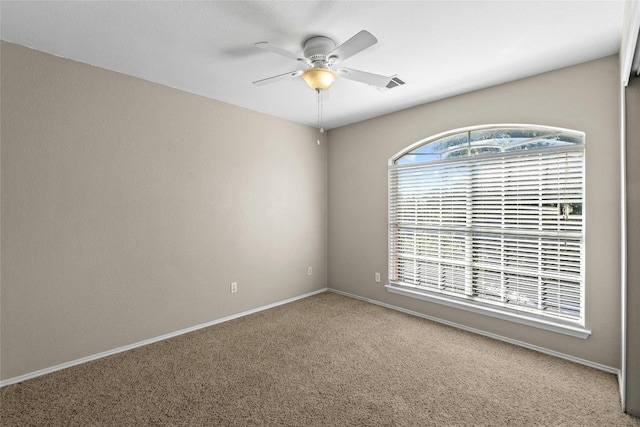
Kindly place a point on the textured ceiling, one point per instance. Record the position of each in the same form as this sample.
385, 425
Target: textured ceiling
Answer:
440, 48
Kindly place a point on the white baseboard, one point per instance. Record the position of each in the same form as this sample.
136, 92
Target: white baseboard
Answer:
65, 365
585, 362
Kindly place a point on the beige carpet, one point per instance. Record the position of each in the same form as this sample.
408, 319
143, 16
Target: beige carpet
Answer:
326, 360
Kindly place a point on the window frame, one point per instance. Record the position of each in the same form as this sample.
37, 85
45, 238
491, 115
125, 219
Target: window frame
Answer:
565, 326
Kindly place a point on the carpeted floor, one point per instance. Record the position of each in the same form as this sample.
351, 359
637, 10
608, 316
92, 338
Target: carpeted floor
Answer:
326, 360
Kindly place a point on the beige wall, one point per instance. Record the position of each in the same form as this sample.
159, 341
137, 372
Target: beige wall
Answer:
583, 97
129, 207
632, 98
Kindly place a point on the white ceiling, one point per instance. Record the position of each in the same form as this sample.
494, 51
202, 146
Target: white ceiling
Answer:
440, 48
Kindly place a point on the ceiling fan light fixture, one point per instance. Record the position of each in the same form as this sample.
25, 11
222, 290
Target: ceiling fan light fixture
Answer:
319, 78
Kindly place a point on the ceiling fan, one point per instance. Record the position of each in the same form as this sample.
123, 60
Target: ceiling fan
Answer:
321, 55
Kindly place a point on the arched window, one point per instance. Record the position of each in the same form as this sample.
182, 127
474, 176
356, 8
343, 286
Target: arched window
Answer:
491, 219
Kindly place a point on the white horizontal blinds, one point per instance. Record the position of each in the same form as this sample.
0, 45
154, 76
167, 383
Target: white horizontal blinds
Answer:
503, 229
532, 257
428, 217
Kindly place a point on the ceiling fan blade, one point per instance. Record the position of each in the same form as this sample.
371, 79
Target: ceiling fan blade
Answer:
363, 77
277, 78
355, 44
280, 51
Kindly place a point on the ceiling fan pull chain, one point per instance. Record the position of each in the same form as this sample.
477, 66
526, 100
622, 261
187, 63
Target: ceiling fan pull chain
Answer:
318, 117
320, 105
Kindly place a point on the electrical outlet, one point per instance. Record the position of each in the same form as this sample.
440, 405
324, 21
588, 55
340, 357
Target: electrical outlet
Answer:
310, 271
377, 277
234, 287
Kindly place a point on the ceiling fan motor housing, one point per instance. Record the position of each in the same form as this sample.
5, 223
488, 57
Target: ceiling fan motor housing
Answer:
316, 50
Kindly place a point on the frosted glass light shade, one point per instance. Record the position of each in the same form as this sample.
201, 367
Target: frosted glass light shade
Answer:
319, 78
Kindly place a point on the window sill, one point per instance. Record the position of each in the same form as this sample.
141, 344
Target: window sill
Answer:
523, 319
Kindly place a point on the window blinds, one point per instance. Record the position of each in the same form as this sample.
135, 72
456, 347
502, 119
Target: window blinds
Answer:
503, 229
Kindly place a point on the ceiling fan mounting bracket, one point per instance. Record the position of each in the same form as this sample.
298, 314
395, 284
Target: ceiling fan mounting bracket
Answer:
317, 48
